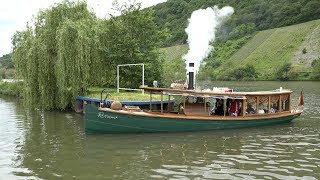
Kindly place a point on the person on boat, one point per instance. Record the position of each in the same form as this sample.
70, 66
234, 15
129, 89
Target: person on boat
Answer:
219, 107
181, 109
233, 111
250, 109
261, 110
239, 107
273, 108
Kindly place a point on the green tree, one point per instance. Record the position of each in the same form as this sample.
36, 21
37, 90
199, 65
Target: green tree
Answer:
134, 38
174, 15
283, 72
76, 59
53, 57
242, 30
6, 61
70, 49
316, 69
175, 70
311, 10
247, 72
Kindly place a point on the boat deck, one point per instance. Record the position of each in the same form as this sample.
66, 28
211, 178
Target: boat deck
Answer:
196, 110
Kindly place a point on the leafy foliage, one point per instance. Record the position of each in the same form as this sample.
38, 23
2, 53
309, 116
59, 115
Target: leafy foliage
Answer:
247, 72
6, 61
316, 69
249, 16
174, 68
284, 72
134, 38
267, 50
11, 88
70, 49
223, 51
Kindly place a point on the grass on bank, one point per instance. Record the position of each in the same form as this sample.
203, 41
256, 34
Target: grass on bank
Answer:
95, 92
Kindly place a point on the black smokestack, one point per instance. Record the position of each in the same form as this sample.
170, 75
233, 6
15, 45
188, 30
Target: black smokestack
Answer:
191, 77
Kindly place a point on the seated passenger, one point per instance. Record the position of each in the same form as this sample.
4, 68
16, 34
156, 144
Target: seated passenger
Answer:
261, 110
250, 109
273, 108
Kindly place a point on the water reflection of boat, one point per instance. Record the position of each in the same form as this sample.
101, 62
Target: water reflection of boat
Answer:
194, 111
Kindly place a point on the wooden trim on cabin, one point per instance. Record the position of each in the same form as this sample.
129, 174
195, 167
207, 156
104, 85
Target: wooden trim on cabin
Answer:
257, 105
150, 100
168, 106
269, 104
161, 103
224, 106
260, 93
205, 104
226, 95
280, 104
244, 105
289, 102
206, 117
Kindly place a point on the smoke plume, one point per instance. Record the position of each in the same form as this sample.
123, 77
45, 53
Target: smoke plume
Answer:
201, 30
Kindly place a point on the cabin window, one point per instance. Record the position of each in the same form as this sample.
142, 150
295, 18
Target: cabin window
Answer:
251, 105
274, 100
274, 107
263, 105
285, 102
260, 104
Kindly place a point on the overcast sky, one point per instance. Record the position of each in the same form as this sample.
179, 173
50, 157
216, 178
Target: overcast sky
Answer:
14, 15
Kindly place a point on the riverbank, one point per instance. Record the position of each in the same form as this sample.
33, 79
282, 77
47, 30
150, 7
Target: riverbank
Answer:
15, 88
12, 88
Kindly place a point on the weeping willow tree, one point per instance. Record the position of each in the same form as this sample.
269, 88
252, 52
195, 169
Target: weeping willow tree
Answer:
25, 56
55, 57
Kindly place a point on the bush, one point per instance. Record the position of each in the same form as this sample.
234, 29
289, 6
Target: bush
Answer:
304, 50
285, 73
11, 88
247, 72
315, 75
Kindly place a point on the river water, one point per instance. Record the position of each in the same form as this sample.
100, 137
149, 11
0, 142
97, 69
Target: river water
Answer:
53, 145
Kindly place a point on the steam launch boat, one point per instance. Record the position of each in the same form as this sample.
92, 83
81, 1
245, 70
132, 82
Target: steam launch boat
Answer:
193, 110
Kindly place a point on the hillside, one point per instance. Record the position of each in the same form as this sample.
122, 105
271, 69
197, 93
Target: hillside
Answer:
174, 66
271, 48
249, 16
6, 61
268, 50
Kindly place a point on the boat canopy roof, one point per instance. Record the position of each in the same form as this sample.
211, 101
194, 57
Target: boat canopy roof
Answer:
214, 94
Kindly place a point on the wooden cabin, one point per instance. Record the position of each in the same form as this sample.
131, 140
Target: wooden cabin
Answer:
217, 102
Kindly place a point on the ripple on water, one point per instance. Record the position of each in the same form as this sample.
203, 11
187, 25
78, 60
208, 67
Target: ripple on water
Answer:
286, 151
11, 140
259, 157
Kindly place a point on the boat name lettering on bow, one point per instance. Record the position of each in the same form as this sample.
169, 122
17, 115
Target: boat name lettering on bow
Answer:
105, 116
